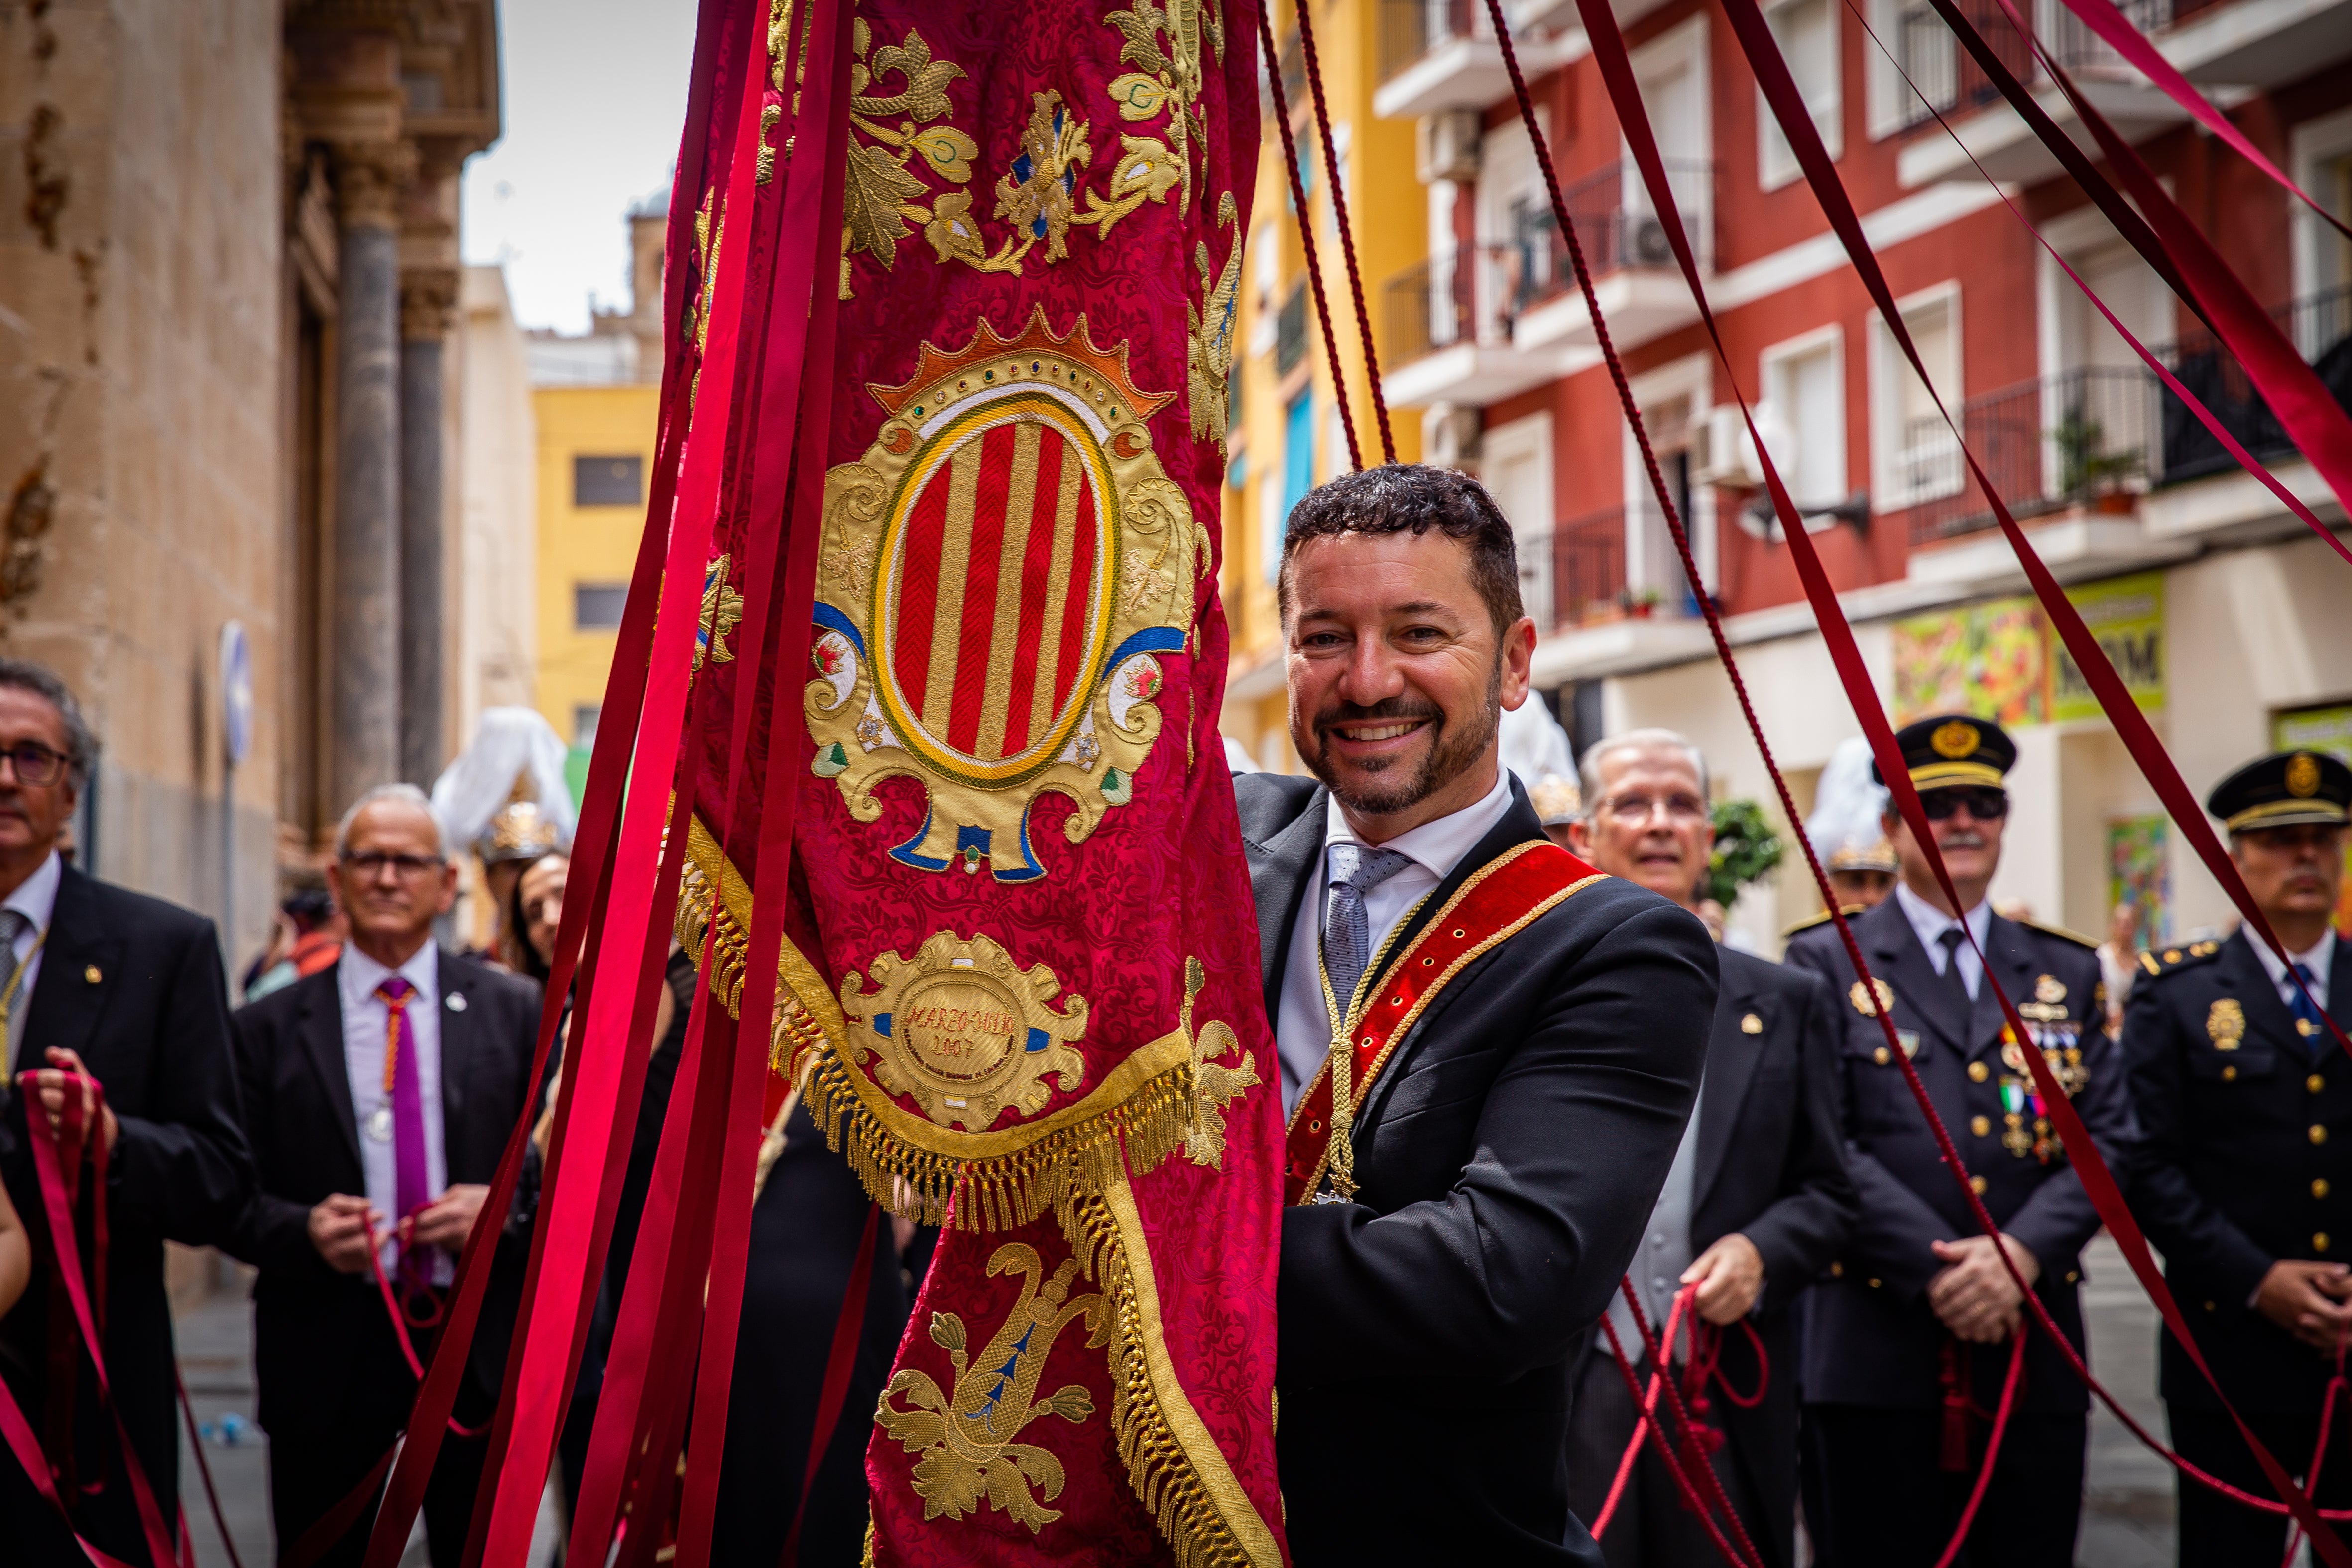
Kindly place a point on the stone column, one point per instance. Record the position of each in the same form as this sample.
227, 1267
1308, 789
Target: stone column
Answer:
365, 613
428, 298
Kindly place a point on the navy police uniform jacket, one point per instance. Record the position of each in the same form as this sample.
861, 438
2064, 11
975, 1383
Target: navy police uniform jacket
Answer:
1873, 1339
2246, 1157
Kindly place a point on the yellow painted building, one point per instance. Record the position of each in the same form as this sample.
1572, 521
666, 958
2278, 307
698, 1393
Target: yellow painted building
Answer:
595, 457
1288, 437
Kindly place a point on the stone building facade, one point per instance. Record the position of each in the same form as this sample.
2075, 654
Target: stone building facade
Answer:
228, 292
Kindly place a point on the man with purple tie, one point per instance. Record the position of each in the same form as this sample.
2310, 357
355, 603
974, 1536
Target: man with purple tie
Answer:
379, 1095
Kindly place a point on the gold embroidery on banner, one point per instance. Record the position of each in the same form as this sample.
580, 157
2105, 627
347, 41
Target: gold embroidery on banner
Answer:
1213, 1087
963, 1031
1209, 353
1083, 556
966, 1437
1178, 1471
722, 609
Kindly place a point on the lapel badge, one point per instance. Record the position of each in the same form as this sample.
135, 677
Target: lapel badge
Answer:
454, 1002
1861, 996
2226, 1023
1909, 1040
2049, 988
91, 976
1751, 1025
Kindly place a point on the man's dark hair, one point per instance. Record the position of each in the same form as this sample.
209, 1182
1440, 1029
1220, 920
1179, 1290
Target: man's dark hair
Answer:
82, 746
1413, 498
308, 906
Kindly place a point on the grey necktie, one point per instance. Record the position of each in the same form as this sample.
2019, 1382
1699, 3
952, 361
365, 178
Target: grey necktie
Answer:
1346, 931
13, 925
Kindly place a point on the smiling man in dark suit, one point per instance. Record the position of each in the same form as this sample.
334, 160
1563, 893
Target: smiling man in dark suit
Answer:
1519, 1043
2245, 1172
127, 990
1919, 1306
379, 1095
1756, 1204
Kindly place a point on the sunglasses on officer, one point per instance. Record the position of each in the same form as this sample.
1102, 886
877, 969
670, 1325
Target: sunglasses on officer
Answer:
1985, 803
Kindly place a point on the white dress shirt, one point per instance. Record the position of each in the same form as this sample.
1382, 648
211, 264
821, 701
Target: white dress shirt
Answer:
36, 899
366, 1024
1302, 1025
1931, 923
2314, 958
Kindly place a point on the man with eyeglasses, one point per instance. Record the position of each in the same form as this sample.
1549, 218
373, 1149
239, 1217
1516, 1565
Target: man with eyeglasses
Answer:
2244, 1103
1910, 1336
379, 1095
1756, 1205
102, 982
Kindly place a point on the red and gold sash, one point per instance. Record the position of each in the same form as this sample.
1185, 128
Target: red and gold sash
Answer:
1490, 908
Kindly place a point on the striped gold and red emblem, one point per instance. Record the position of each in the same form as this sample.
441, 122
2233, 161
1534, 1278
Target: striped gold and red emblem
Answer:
991, 605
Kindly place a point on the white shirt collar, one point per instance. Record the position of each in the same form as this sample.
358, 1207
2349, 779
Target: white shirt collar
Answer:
1438, 845
1931, 922
359, 974
35, 896
2316, 957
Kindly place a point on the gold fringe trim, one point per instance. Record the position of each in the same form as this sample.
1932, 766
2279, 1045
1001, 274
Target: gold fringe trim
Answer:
1136, 1119
710, 890
1175, 1466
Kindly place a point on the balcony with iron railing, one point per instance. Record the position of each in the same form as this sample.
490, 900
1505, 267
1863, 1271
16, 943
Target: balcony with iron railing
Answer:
1949, 78
1412, 29
1436, 54
2099, 438
1575, 574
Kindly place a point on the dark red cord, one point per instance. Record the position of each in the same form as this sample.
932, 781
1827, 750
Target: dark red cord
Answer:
1306, 232
1347, 239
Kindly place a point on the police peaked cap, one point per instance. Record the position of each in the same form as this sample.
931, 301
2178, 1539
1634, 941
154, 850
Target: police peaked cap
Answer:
1945, 749
2285, 789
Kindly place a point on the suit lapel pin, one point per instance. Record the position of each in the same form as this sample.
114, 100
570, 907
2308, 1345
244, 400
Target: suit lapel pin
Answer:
454, 1002
1751, 1025
91, 976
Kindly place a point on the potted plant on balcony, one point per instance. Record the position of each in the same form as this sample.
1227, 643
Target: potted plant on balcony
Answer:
2088, 470
1639, 603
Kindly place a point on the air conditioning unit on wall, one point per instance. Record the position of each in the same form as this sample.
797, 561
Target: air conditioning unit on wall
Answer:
1447, 144
1449, 436
1646, 244
1720, 451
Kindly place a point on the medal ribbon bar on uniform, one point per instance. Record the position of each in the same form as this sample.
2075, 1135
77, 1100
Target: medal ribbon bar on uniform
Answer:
1491, 907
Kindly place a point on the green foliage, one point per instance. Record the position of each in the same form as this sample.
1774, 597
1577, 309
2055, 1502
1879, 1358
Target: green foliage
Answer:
1746, 849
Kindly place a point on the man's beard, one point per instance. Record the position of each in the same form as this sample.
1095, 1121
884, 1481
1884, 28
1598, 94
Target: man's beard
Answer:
1389, 790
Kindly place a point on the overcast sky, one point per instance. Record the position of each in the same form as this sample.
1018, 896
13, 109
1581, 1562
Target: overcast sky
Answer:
596, 93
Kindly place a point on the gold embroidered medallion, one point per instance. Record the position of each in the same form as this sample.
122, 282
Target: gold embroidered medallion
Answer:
966, 1437
1001, 574
2301, 775
2225, 1022
1214, 1086
2050, 988
722, 608
963, 1031
1954, 740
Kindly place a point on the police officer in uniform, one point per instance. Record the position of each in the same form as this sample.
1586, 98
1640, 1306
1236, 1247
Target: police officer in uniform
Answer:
2245, 1108
1910, 1335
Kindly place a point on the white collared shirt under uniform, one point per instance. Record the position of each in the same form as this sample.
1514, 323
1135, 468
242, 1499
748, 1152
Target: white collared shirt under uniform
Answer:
2315, 958
366, 1029
1931, 923
1302, 1025
36, 899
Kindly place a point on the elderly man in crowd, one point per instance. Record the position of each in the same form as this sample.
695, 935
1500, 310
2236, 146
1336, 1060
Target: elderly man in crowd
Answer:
1758, 1201
101, 983
379, 1095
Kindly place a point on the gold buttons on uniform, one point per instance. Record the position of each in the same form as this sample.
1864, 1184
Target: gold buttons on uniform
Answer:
2319, 1242
1837, 1270
1880, 1055
1751, 1025
1981, 1125
1976, 1184
1874, 1284
2209, 1306
2315, 1083
91, 976
2319, 1187
2072, 1275
2229, 1073
1978, 1072
2318, 1134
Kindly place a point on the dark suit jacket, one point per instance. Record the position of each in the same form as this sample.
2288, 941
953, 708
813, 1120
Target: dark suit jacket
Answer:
1507, 1158
2229, 1178
1771, 1166
135, 984
318, 1333
1873, 1340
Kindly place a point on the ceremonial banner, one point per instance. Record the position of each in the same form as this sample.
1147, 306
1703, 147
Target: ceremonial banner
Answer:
1019, 987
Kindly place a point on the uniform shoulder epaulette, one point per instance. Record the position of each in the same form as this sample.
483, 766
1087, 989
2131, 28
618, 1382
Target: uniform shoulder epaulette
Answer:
2074, 936
1810, 921
2158, 960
